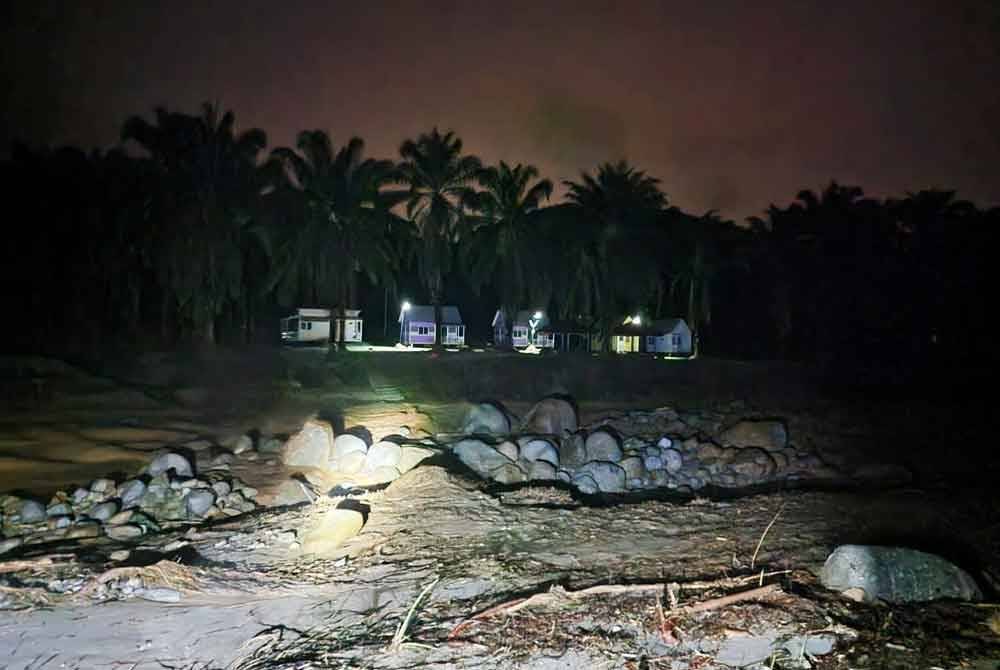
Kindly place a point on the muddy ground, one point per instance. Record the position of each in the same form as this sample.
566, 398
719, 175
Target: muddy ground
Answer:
250, 598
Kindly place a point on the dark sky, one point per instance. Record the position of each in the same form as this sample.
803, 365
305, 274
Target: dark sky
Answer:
731, 104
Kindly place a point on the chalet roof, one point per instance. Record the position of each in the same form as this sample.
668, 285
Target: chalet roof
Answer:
657, 328
666, 325
425, 313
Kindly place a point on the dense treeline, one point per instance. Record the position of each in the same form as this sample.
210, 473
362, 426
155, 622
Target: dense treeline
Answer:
195, 233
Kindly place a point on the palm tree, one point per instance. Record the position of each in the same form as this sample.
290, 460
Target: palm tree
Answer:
614, 240
438, 176
209, 185
335, 220
503, 247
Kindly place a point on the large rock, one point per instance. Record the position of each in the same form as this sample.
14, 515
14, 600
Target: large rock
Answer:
383, 454
349, 463
411, 457
609, 477
198, 502
32, 511
348, 443
551, 416
536, 449
131, 492
170, 461
508, 473
242, 444
633, 467
291, 492
479, 456
572, 451
771, 435
542, 471
509, 449
311, 446
752, 464
603, 445
672, 460
487, 418
895, 575
337, 526
103, 511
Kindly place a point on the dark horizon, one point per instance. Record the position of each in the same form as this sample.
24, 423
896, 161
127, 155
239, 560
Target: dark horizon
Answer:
731, 108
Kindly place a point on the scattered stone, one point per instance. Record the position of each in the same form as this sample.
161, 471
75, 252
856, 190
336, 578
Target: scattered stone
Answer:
609, 477
10, 543
124, 532
603, 445
119, 555
31, 511
383, 454
479, 456
487, 418
170, 461
103, 511
665, 442
770, 435
896, 574
310, 447
198, 502
159, 595
243, 443
551, 416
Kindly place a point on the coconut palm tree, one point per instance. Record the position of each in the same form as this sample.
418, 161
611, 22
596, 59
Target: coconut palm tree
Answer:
614, 244
209, 186
333, 214
438, 176
502, 249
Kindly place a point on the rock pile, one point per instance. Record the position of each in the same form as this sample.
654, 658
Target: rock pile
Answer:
165, 492
352, 457
637, 451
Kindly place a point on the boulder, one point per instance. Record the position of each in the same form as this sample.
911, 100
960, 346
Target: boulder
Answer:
609, 477
348, 443
103, 511
123, 532
572, 451
337, 526
243, 443
753, 464
603, 445
349, 463
60, 522
198, 502
633, 467
508, 473
121, 517
771, 435
536, 449
653, 463
83, 530
9, 544
106, 486
585, 483
164, 463
672, 460
551, 416
31, 511
895, 575
383, 474
271, 445
311, 446
479, 456
542, 471
487, 418
59, 509
509, 449
383, 454
222, 488
411, 457
291, 492
131, 492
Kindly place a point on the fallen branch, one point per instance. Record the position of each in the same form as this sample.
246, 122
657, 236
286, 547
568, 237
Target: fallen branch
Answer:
404, 625
556, 596
760, 542
762, 593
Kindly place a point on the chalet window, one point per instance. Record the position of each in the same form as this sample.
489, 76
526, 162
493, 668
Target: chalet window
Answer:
677, 340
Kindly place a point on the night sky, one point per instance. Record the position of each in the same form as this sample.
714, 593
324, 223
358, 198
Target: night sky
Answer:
731, 105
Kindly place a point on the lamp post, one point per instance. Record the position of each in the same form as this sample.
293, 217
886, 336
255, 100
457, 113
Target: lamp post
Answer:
403, 309
533, 323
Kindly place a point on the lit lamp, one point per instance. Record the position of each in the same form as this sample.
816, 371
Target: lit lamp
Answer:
534, 322
403, 309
